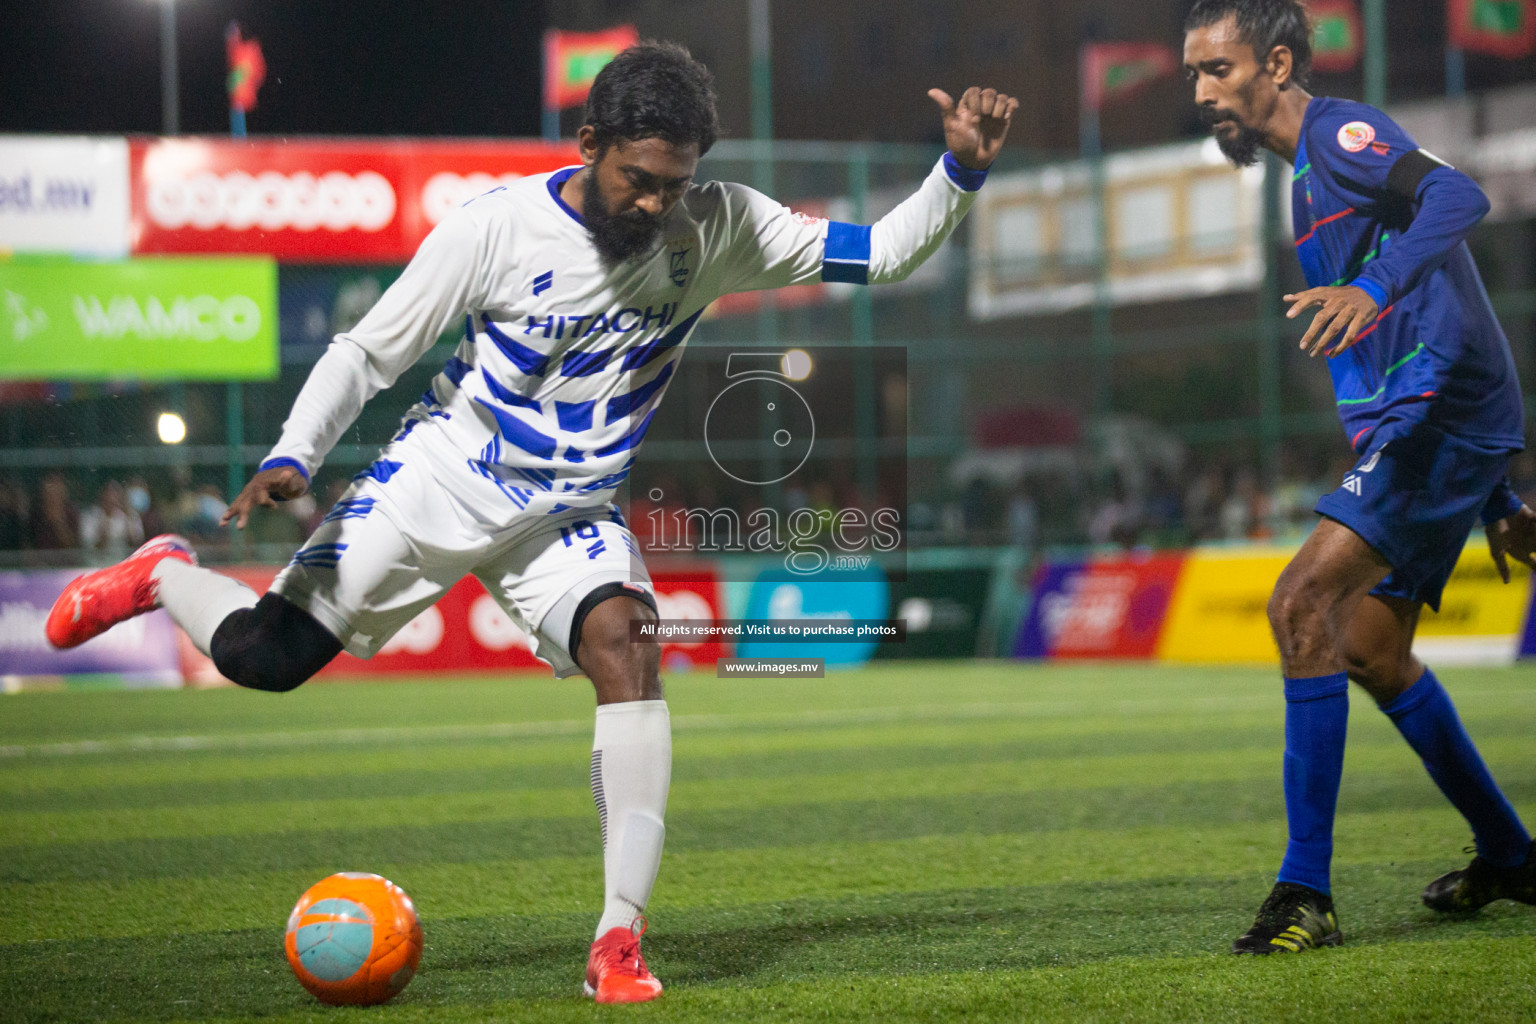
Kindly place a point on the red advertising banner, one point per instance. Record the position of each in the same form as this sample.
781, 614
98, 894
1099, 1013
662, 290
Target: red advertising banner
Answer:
466, 631
314, 201
1107, 607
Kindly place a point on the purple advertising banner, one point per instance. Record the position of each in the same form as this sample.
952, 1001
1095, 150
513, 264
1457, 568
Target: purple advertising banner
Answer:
1051, 586
141, 650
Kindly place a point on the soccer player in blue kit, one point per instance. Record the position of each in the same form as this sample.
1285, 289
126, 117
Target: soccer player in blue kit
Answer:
1427, 392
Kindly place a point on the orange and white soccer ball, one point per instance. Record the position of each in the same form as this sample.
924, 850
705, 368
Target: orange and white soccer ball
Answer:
353, 939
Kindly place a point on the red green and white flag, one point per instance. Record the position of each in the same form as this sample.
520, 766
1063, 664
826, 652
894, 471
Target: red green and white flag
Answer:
573, 59
1501, 28
1114, 71
247, 68
1337, 37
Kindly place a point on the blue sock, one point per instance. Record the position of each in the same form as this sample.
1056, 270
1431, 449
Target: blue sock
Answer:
1316, 720
1427, 719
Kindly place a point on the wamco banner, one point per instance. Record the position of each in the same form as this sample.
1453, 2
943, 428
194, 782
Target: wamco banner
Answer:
148, 319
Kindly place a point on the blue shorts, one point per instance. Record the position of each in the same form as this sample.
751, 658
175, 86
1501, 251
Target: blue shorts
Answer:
1414, 496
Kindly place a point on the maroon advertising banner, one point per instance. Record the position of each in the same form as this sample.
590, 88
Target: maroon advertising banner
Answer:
466, 631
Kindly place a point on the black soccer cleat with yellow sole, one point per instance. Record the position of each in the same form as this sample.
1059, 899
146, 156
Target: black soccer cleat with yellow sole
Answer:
1294, 918
1480, 883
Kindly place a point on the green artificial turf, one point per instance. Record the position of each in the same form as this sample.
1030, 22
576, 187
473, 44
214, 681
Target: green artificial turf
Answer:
926, 841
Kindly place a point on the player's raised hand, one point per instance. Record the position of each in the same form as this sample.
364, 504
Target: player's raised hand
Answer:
1513, 536
1347, 308
974, 128
268, 487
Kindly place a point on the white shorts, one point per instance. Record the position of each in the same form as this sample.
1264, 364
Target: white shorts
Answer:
399, 539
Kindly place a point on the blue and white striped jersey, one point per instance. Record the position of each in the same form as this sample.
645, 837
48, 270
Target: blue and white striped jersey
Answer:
564, 360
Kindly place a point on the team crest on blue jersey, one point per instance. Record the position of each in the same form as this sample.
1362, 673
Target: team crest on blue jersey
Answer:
677, 267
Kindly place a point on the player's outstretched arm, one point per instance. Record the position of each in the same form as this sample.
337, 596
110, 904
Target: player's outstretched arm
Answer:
442, 282
1514, 537
976, 125
770, 246
974, 129
267, 487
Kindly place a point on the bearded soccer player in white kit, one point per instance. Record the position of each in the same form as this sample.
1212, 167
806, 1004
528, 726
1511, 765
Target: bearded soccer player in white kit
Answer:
576, 291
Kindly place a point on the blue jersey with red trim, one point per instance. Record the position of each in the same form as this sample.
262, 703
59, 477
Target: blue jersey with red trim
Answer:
1397, 231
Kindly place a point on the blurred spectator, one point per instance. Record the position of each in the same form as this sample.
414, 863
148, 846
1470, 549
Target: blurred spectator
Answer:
1023, 519
1118, 520
1203, 499
13, 516
198, 513
111, 526
1164, 506
982, 508
1243, 510
55, 522
143, 502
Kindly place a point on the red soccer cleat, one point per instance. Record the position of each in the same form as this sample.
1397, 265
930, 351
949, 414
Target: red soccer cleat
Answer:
616, 972
97, 601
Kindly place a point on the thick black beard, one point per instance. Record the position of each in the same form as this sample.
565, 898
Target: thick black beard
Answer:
618, 237
1242, 149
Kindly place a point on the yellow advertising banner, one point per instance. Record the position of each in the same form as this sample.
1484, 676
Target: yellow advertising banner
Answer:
1480, 618
1217, 615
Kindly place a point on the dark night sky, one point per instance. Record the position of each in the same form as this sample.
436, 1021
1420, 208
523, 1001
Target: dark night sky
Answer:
334, 67
472, 67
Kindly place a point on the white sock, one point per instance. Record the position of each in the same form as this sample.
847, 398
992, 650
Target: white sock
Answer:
631, 770
199, 599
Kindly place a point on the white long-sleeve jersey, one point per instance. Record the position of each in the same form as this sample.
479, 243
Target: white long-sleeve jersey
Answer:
565, 360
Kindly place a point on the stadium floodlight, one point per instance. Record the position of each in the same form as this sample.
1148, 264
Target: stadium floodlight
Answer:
171, 428
796, 364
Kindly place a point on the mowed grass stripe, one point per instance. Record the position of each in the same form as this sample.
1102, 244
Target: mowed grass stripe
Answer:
1213, 804
743, 945
705, 753
481, 701
728, 752
1191, 722
1419, 982
116, 906
701, 721
1378, 751
77, 724
525, 760
833, 908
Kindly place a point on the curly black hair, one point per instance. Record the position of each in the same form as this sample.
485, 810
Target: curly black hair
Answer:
1264, 25
654, 90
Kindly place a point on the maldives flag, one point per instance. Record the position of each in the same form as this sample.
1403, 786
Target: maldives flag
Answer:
1502, 28
1113, 71
247, 68
1336, 35
573, 59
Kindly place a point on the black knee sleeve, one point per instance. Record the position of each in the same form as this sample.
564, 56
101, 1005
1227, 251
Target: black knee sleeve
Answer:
597, 597
274, 646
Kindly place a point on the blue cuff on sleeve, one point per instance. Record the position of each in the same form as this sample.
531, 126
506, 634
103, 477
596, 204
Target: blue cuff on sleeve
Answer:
1502, 504
284, 460
1374, 290
846, 256
967, 179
